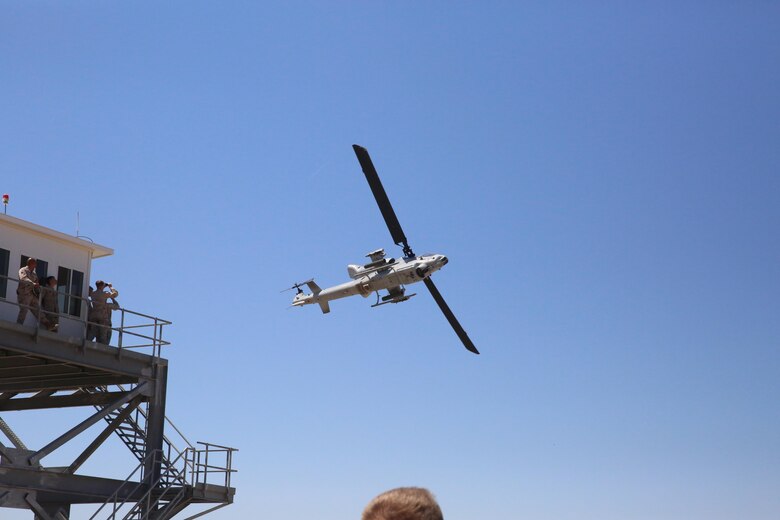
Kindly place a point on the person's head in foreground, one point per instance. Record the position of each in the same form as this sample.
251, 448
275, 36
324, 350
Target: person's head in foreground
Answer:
406, 503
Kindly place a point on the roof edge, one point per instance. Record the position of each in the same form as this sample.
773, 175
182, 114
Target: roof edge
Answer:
97, 250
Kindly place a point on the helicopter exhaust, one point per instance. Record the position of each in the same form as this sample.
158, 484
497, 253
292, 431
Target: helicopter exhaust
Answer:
422, 270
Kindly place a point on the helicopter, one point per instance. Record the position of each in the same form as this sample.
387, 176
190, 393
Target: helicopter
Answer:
382, 273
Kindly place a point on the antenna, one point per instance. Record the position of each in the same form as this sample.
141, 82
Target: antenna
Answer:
78, 226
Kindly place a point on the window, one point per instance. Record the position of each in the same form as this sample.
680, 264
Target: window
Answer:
70, 284
5, 255
41, 267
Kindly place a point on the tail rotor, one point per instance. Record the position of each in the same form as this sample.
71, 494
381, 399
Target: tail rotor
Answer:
297, 287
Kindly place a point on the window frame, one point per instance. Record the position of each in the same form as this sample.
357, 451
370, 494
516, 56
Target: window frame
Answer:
69, 299
5, 263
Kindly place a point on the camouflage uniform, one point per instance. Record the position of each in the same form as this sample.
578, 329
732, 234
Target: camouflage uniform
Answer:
51, 308
113, 306
26, 294
100, 313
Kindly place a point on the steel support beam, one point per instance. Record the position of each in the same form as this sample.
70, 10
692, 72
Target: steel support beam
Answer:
40, 370
4, 452
207, 511
11, 435
62, 439
53, 347
48, 511
59, 401
40, 512
100, 439
62, 488
155, 421
71, 383
12, 360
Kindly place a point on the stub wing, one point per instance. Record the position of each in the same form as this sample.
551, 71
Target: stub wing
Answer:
395, 294
396, 291
314, 287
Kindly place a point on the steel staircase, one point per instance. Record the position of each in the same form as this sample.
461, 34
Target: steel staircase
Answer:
184, 474
159, 501
132, 431
162, 500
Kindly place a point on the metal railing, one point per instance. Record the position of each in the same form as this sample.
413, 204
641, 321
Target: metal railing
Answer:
212, 461
140, 412
129, 486
190, 469
161, 493
135, 331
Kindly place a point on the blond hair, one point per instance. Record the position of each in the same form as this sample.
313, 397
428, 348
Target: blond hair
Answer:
405, 503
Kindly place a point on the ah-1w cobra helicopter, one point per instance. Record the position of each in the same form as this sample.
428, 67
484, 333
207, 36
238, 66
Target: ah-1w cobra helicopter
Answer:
381, 273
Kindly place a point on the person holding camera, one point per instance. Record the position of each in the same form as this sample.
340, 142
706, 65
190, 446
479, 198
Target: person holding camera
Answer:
100, 312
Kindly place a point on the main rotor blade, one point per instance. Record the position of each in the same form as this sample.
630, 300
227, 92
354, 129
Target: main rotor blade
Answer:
381, 198
450, 316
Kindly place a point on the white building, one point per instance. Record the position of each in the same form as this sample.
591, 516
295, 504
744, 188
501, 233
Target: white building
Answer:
65, 257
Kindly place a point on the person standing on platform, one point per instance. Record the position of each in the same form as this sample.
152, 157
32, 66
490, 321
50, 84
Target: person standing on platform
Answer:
51, 308
113, 306
27, 291
101, 313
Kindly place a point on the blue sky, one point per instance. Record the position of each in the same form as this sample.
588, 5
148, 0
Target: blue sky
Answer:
603, 177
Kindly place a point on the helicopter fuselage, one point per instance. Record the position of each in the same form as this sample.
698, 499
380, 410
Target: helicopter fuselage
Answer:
381, 274
385, 274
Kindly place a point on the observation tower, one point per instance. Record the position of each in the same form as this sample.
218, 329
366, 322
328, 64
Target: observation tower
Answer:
121, 385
